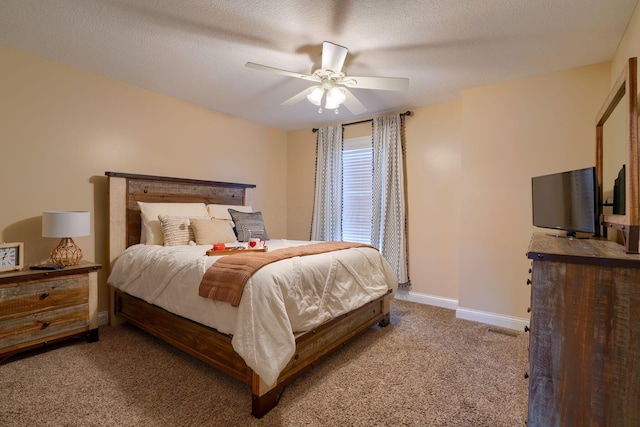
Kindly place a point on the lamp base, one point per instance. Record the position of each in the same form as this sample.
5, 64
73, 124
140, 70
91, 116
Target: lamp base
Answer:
66, 253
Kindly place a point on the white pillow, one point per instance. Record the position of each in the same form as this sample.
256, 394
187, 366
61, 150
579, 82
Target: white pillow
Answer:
151, 232
211, 231
222, 211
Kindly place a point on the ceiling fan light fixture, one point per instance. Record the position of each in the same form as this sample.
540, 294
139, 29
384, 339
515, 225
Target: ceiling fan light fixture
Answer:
330, 74
315, 97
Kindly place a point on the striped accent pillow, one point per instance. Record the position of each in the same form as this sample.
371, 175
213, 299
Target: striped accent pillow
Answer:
176, 230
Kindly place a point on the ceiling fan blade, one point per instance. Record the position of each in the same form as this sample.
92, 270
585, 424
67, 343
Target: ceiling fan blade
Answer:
333, 56
299, 96
279, 71
352, 103
382, 83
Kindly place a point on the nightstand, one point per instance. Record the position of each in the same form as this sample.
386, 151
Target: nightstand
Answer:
39, 307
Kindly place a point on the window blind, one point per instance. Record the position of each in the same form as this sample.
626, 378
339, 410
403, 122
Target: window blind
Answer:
357, 189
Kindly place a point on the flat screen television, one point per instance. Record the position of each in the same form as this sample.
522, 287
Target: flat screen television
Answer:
566, 201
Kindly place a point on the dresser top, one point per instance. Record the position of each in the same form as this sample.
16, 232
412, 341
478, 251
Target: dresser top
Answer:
27, 274
545, 247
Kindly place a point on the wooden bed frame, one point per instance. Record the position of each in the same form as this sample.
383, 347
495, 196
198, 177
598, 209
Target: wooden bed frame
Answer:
205, 343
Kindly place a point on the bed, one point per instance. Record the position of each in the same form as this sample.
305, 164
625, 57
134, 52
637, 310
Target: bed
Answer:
212, 345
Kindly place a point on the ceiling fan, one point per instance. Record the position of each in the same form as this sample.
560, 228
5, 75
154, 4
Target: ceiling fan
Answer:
333, 83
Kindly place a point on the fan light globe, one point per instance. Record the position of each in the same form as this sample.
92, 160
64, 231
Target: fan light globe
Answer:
315, 97
337, 95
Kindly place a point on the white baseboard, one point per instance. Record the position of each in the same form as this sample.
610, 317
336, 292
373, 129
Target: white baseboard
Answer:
428, 299
103, 318
509, 322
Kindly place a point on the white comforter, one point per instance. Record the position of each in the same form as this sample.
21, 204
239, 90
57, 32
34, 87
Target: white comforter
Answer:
280, 300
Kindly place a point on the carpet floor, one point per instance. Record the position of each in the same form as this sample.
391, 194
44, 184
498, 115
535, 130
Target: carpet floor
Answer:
426, 369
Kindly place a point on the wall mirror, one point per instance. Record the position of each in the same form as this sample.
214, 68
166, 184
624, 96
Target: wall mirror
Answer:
617, 160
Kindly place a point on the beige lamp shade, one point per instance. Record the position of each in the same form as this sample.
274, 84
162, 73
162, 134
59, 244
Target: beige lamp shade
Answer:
65, 225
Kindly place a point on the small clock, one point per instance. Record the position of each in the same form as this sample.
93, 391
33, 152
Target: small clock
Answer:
11, 256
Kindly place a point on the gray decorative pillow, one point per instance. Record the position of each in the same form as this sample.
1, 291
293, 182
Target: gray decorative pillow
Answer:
248, 225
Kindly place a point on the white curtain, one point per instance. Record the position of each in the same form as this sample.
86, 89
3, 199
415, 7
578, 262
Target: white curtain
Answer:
326, 223
388, 231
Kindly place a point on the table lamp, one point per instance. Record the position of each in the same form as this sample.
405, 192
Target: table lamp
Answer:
65, 225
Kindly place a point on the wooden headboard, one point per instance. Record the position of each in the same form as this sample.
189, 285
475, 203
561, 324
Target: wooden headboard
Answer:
126, 190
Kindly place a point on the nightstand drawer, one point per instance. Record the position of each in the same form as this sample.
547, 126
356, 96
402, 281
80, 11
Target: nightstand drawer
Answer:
37, 296
39, 326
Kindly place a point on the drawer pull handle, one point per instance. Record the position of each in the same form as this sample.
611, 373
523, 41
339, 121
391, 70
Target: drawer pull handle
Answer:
45, 325
526, 329
528, 281
44, 295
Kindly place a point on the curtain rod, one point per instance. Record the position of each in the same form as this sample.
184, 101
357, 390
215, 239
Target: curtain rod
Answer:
408, 113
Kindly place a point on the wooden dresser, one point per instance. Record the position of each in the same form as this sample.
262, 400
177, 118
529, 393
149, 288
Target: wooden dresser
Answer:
44, 306
584, 339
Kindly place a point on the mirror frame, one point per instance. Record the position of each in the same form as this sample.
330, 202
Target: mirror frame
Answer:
629, 223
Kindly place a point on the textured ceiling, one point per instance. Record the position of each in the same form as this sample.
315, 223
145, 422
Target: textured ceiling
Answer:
195, 50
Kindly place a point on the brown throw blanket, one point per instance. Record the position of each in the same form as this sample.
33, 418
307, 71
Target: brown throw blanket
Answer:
225, 279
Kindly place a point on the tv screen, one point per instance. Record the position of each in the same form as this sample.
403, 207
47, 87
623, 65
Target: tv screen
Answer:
619, 192
566, 201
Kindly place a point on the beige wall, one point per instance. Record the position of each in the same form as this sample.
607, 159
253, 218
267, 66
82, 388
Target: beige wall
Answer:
301, 162
433, 191
629, 46
63, 127
511, 132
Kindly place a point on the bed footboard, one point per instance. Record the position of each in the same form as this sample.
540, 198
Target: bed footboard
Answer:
215, 348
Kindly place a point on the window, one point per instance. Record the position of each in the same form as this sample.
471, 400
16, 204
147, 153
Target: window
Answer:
357, 189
